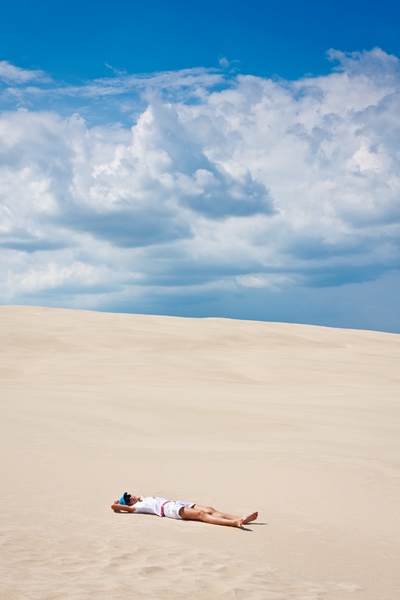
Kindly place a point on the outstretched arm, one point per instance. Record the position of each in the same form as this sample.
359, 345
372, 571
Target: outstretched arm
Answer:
117, 506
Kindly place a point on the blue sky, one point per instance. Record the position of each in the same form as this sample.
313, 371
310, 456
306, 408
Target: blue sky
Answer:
232, 159
287, 38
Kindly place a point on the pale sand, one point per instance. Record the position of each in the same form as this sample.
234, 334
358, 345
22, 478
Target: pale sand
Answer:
298, 422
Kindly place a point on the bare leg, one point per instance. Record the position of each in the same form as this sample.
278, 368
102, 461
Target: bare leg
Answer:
197, 514
216, 513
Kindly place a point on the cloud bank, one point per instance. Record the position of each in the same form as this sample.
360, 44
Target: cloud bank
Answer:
183, 191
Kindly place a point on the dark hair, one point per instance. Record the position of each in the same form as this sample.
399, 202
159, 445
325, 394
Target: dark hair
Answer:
127, 497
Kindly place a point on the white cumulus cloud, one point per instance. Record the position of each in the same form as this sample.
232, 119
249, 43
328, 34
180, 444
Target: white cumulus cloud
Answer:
218, 182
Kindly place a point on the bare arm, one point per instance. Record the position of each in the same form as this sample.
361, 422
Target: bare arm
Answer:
117, 506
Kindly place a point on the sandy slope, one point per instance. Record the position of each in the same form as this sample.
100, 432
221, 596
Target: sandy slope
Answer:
299, 422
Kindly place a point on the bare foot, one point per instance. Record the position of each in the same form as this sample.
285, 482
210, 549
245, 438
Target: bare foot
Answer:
252, 517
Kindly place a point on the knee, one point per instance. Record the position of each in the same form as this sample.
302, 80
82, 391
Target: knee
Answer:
210, 509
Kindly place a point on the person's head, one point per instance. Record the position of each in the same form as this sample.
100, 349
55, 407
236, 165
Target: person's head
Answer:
125, 499
128, 499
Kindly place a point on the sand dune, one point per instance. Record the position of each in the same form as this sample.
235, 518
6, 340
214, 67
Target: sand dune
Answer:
299, 422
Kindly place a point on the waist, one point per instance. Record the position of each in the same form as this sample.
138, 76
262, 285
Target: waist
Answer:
162, 508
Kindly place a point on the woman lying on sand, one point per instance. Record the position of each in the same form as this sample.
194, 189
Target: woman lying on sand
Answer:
179, 510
